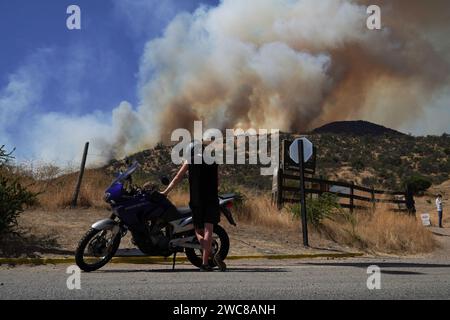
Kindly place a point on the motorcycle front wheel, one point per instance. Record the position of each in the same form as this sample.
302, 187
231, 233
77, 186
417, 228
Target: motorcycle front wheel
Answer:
96, 249
221, 244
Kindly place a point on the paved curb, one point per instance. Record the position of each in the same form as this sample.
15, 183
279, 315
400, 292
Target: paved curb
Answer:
155, 260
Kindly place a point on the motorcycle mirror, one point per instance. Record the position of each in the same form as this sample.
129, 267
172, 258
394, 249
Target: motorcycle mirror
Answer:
165, 181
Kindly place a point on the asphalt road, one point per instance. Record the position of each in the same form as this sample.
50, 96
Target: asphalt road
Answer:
271, 280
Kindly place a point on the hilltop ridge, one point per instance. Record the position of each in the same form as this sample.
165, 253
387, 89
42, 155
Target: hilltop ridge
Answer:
359, 128
382, 158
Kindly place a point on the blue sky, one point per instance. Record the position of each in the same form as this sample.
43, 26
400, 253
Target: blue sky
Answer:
114, 30
47, 69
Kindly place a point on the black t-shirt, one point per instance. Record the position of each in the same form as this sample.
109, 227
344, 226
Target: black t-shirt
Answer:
203, 184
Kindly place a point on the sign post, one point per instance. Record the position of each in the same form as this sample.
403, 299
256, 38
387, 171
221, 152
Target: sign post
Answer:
301, 151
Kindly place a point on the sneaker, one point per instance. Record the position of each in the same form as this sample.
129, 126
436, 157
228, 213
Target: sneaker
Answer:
219, 262
206, 268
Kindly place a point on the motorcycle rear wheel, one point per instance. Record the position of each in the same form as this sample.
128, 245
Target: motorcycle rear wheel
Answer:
195, 256
83, 262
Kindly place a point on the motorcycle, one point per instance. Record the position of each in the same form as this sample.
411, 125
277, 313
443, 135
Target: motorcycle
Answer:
158, 228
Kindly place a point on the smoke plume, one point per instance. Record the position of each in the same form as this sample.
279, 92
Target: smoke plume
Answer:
290, 65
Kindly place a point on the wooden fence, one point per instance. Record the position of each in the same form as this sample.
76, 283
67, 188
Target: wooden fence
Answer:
286, 189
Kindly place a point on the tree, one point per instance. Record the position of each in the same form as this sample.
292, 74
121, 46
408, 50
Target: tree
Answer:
13, 196
417, 184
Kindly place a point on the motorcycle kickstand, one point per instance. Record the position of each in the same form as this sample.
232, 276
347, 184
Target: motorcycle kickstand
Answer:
174, 261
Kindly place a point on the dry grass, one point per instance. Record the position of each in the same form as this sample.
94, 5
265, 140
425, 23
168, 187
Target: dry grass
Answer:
57, 193
383, 231
396, 233
259, 210
255, 210
179, 198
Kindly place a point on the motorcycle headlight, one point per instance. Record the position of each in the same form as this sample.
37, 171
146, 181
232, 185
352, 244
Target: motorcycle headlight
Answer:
107, 197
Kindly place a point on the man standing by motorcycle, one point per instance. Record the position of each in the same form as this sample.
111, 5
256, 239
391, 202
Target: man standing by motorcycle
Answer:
204, 200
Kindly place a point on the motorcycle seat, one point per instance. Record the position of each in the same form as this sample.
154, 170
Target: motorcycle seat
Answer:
227, 196
185, 211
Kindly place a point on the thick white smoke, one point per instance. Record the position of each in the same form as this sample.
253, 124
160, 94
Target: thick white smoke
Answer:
276, 64
247, 64
286, 64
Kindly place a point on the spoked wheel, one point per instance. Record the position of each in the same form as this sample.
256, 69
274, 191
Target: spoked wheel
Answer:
221, 244
96, 249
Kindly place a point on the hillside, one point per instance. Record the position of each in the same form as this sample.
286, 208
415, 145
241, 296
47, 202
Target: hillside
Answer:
371, 160
356, 128
383, 161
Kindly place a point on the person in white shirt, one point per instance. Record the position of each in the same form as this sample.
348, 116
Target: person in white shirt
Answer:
439, 207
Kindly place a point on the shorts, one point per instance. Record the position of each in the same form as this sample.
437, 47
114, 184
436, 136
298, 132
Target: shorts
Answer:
205, 214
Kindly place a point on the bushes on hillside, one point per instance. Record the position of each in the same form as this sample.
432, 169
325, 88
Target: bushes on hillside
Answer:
390, 159
319, 209
13, 196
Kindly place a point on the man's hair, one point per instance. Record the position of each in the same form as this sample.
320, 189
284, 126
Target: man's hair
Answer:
439, 195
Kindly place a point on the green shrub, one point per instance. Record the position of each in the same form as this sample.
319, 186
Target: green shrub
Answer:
369, 181
318, 209
13, 196
358, 164
417, 184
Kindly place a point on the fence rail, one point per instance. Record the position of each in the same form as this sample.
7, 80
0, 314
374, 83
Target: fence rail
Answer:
316, 186
290, 171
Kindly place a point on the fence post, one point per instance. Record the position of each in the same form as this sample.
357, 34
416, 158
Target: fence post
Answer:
410, 203
279, 194
373, 198
322, 186
352, 193
80, 176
